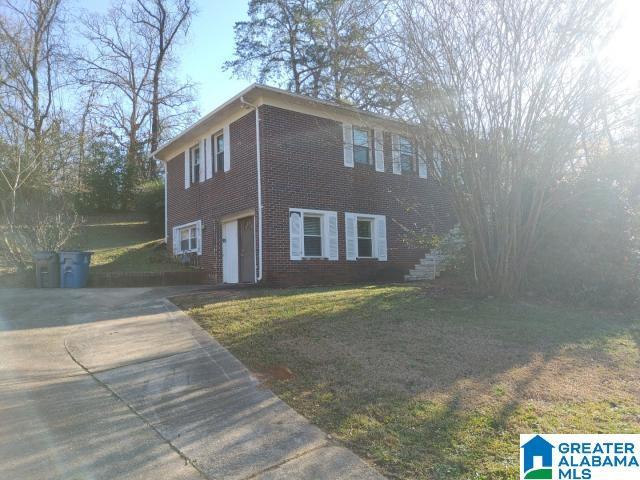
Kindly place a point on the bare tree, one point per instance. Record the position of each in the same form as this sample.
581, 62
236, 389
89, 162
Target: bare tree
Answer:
31, 56
162, 21
122, 67
502, 91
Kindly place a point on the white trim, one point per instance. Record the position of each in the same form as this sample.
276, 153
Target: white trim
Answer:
166, 204
378, 149
209, 156
227, 148
187, 169
347, 140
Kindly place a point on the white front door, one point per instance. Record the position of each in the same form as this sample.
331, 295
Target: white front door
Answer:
230, 252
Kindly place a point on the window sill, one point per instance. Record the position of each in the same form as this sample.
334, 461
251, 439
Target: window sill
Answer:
315, 258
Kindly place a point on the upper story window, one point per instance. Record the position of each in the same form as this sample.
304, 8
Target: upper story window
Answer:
312, 227
361, 146
219, 152
406, 155
365, 237
194, 155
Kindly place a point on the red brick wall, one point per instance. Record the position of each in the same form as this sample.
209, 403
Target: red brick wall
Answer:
224, 194
303, 167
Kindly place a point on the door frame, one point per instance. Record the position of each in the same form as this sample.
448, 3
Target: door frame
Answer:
231, 266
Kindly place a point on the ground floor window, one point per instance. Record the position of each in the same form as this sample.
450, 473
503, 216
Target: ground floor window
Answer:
365, 237
313, 234
187, 238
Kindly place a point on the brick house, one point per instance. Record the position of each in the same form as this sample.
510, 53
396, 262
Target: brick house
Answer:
283, 189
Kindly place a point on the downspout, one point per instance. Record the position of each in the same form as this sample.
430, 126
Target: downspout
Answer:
255, 108
166, 217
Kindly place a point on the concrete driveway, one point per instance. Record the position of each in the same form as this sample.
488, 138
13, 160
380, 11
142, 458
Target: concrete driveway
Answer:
118, 383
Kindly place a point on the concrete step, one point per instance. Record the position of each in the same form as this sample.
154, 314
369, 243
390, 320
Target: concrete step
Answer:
424, 274
413, 278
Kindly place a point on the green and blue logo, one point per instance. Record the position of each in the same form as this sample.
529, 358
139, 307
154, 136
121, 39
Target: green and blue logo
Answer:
536, 460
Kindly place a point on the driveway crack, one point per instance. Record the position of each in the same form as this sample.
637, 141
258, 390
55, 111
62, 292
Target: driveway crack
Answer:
186, 459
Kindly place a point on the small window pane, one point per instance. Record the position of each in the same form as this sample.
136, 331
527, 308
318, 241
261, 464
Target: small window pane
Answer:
312, 246
312, 225
365, 243
360, 137
312, 236
220, 152
364, 247
361, 155
364, 228
361, 146
184, 245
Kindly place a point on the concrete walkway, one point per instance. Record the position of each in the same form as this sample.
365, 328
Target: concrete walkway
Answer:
118, 383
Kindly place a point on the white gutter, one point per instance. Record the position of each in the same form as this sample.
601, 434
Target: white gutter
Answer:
166, 205
242, 100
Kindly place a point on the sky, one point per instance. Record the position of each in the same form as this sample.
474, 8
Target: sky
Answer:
211, 42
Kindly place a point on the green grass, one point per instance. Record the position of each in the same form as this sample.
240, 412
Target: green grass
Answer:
434, 388
123, 243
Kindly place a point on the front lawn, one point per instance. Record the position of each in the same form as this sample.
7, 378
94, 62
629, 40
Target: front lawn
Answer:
434, 388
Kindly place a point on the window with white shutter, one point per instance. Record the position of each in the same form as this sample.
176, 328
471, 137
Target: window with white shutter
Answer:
395, 154
365, 236
295, 235
209, 157
347, 139
379, 150
187, 169
422, 163
313, 234
227, 149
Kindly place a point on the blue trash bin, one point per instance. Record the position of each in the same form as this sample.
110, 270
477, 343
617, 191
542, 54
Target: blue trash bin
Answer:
74, 269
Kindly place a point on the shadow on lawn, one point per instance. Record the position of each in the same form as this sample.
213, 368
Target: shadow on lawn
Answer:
428, 388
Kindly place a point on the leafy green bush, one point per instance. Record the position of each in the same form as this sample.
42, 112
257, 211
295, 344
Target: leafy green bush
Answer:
149, 200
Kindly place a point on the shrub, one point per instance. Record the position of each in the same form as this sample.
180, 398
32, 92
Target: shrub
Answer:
588, 251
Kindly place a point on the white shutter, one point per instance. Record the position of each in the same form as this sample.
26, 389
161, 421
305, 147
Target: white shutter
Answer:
295, 235
227, 149
202, 157
381, 237
437, 161
199, 236
378, 136
347, 139
351, 235
422, 163
209, 157
176, 242
395, 154
187, 169
330, 220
